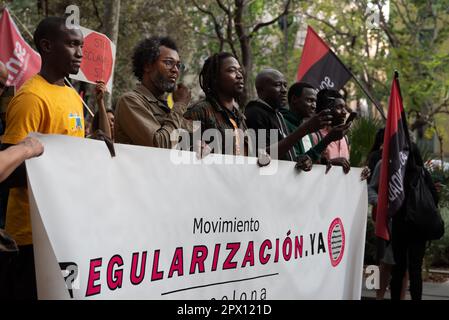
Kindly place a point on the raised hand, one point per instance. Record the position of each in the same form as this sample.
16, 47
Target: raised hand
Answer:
100, 90
182, 94
337, 133
319, 121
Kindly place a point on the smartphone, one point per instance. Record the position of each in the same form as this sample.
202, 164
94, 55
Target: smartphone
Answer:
351, 117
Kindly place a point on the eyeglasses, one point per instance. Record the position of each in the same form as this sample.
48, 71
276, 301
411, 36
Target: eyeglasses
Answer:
170, 64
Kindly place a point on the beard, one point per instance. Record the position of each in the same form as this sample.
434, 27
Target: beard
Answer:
164, 84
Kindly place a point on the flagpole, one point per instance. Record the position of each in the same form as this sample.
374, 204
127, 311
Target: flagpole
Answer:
396, 78
66, 80
368, 94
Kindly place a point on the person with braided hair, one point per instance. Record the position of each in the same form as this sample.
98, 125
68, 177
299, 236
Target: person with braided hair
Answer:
222, 82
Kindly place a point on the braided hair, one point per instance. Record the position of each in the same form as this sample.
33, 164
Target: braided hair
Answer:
210, 73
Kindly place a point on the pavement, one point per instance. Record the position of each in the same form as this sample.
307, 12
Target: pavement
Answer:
431, 291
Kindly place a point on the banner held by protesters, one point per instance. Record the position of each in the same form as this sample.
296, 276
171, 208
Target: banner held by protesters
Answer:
160, 230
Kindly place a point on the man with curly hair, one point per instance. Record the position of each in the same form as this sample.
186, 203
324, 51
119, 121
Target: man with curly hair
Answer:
142, 116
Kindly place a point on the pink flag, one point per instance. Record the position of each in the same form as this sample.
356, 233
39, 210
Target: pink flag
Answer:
19, 58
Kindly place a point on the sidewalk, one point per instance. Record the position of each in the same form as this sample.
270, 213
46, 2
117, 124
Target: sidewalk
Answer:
431, 291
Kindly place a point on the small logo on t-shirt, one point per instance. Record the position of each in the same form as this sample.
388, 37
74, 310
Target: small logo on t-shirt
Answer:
75, 122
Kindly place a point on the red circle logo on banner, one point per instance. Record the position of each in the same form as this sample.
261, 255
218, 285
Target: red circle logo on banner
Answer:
336, 241
97, 58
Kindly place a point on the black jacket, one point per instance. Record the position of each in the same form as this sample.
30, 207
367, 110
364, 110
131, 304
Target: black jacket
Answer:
261, 116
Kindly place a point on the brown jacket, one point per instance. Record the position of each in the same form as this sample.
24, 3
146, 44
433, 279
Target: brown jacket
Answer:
141, 119
213, 116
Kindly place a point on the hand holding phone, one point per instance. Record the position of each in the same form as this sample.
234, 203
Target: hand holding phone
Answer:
351, 118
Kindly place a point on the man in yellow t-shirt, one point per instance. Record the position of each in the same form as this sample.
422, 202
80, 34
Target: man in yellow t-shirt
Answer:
43, 104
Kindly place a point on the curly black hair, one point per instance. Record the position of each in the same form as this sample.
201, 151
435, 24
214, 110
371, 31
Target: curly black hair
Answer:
148, 51
210, 73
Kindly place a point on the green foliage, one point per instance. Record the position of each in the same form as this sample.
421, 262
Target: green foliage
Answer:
361, 137
442, 177
413, 41
437, 255
364, 51
419, 51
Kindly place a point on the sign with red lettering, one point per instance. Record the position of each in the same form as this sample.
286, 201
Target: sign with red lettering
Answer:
98, 59
21, 61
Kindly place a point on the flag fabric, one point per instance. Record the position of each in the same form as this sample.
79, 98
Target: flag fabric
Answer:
19, 58
396, 149
320, 66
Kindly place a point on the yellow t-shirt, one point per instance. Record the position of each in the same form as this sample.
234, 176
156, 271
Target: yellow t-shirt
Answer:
45, 108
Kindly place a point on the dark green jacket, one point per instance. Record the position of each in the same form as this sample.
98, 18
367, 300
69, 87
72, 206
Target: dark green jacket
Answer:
293, 122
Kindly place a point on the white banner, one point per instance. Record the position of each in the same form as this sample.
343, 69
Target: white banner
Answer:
139, 226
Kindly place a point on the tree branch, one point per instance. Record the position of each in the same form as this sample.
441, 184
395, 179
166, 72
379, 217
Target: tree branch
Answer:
97, 14
401, 14
217, 26
229, 31
383, 25
327, 23
238, 19
439, 109
223, 7
407, 12
265, 24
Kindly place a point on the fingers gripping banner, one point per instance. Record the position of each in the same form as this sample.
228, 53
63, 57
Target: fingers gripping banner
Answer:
142, 226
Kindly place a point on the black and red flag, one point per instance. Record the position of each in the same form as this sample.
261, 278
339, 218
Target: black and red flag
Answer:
320, 66
396, 149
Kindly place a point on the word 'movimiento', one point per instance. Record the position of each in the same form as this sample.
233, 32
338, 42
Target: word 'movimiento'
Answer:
222, 226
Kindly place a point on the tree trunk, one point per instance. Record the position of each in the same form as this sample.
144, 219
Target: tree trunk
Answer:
111, 27
246, 58
440, 140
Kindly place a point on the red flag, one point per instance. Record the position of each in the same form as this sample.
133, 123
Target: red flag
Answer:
319, 65
19, 58
395, 154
